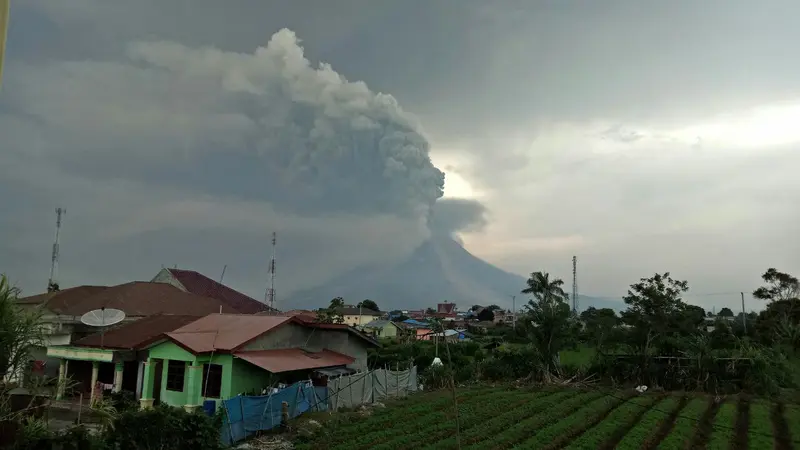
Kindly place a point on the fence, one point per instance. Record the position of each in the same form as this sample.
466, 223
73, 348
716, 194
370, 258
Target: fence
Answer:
247, 415
370, 387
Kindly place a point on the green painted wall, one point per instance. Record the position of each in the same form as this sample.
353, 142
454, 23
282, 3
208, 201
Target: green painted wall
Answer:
226, 361
174, 398
170, 350
247, 377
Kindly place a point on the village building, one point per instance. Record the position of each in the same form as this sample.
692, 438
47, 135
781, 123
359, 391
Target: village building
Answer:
223, 355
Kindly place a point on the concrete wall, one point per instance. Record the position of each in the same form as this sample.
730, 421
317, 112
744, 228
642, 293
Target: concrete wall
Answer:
285, 336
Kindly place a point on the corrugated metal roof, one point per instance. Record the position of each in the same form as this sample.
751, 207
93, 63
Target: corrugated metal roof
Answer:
199, 284
138, 334
290, 359
225, 332
138, 298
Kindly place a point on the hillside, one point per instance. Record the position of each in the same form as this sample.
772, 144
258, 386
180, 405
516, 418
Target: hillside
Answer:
440, 269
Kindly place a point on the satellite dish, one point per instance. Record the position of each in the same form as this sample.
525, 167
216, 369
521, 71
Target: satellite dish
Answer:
102, 317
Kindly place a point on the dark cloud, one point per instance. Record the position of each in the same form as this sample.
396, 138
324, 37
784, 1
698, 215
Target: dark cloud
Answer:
264, 125
453, 215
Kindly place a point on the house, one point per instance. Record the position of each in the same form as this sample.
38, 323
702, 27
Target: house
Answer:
199, 284
223, 355
62, 311
446, 308
302, 314
382, 328
115, 356
357, 316
450, 336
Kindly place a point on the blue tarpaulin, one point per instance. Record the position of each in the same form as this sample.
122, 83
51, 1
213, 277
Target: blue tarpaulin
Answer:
246, 415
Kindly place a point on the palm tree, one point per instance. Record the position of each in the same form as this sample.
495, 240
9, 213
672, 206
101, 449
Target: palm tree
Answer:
540, 286
551, 325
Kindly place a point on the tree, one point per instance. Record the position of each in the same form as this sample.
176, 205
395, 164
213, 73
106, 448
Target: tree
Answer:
493, 307
654, 310
599, 324
430, 311
336, 302
540, 286
20, 330
780, 286
486, 315
475, 307
725, 312
709, 314
368, 304
550, 323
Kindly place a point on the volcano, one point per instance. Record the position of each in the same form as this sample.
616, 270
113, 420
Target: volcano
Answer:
440, 269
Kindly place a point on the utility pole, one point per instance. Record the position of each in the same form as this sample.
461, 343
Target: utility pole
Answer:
52, 284
744, 315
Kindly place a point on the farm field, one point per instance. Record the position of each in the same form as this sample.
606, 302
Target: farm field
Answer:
564, 418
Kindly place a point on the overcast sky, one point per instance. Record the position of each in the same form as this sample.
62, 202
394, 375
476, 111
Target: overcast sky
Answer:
641, 136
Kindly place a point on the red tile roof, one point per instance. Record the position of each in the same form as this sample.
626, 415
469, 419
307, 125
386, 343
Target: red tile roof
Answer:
138, 298
289, 359
224, 332
199, 284
138, 334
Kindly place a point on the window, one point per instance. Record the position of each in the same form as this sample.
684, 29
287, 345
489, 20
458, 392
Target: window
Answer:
212, 380
176, 372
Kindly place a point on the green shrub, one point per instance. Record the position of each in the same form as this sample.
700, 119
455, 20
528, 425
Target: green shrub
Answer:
164, 428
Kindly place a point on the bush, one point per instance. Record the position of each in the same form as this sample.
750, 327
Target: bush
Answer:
164, 427
34, 435
123, 401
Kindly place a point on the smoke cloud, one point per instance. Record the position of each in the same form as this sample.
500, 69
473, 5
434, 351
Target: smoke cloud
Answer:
453, 215
301, 137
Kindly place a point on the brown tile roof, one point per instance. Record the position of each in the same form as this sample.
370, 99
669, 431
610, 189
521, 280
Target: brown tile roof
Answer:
62, 299
289, 359
224, 332
300, 314
199, 284
138, 298
137, 334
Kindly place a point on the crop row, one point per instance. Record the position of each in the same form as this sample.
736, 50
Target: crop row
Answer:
470, 418
642, 433
685, 427
791, 414
759, 433
389, 417
619, 421
499, 422
406, 424
722, 434
559, 433
417, 405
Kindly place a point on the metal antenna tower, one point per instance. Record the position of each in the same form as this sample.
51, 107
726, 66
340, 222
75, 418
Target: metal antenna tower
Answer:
270, 299
52, 284
575, 284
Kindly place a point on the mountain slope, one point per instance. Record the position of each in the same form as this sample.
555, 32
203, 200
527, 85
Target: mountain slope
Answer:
440, 269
